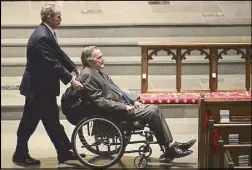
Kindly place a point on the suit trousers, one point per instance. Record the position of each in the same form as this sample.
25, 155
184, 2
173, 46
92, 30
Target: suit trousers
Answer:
42, 108
153, 116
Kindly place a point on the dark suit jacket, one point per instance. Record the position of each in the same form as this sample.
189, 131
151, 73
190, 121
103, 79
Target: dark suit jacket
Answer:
100, 92
46, 65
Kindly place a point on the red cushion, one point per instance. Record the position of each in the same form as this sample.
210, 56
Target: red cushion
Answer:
239, 95
170, 98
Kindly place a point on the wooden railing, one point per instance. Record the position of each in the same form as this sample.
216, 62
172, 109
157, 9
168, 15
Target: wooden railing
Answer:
213, 51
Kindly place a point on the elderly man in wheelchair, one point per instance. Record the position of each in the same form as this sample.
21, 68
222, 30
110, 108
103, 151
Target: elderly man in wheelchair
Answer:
106, 118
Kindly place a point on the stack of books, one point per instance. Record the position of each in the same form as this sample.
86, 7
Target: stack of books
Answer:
241, 119
244, 160
233, 138
224, 116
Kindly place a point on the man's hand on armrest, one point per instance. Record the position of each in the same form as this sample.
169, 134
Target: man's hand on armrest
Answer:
138, 105
130, 109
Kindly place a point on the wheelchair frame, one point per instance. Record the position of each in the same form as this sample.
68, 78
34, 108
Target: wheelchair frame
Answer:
126, 131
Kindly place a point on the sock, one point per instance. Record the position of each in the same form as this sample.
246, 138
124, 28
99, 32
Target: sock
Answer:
167, 146
172, 143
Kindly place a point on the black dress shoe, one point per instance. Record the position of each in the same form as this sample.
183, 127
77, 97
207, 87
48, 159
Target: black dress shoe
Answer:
174, 152
185, 146
62, 157
25, 161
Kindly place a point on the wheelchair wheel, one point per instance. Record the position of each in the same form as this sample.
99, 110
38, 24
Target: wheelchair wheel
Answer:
110, 151
145, 150
96, 150
100, 139
140, 162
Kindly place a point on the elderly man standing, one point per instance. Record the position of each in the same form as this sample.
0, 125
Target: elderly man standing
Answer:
46, 65
107, 98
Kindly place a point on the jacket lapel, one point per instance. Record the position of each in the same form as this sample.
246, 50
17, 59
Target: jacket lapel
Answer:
108, 78
106, 82
48, 31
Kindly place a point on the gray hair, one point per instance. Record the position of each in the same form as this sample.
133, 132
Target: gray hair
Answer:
86, 55
48, 10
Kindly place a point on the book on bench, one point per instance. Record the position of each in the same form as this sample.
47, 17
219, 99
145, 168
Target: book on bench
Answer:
243, 160
224, 116
233, 138
241, 119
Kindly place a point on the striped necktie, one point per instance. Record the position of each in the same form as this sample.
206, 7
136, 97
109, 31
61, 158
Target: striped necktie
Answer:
55, 37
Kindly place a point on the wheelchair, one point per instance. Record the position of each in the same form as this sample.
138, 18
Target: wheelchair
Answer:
101, 138
104, 140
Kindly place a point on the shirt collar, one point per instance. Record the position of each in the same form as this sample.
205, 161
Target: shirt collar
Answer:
50, 28
96, 70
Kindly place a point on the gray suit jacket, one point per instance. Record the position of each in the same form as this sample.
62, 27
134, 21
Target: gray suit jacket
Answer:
100, 92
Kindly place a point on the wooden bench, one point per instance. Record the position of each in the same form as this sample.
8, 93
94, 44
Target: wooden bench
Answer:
223, 158
238, 104
213, 51
214, 131
229, 162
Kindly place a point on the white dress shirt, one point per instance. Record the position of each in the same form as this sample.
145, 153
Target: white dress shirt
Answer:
52, 31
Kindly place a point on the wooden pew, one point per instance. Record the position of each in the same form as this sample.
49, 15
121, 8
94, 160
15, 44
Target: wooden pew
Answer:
214, 131
235, 149
238, 107
213, 51
231, 162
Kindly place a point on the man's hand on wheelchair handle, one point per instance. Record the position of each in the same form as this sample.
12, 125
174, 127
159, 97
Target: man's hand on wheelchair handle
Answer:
77, 72
130, 109
76, 84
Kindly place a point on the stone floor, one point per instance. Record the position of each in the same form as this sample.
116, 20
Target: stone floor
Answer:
41, 147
